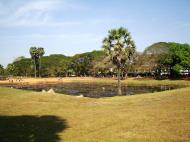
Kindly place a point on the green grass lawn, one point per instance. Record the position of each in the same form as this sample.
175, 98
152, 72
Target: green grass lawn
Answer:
27, 116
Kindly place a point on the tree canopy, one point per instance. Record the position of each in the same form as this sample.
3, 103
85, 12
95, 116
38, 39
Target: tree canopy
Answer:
177, 59
1, 70
36, 54
169, 58
120, 48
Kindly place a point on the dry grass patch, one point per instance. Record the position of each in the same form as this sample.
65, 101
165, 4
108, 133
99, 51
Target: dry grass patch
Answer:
156, 117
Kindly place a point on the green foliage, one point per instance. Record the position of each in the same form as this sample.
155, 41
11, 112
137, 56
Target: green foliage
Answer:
22, 67
11, 70
177, 58
1, 70
119, 46
176, 68
180, 54
54, 65
41, 51
36, 55
19, 58
170, 57
82, 64
58, 65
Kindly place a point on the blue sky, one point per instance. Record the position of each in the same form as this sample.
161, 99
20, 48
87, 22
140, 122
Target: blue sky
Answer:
75, 26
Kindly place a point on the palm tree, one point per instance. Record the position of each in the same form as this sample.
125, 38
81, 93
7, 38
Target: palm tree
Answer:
41, 52
35, 56
120, 48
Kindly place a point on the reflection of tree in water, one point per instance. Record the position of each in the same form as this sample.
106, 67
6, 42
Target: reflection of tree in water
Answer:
31, 128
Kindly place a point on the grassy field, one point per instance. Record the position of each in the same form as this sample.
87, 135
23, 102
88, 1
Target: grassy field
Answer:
130, 81
27, 116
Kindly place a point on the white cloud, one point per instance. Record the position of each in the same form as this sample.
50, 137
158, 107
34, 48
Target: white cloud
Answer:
41, 13
29, 13
36, 6
36, 13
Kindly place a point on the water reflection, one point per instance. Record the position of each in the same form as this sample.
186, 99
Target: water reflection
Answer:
96, 90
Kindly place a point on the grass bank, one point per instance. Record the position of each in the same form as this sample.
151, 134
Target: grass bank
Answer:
130, 81
31, 116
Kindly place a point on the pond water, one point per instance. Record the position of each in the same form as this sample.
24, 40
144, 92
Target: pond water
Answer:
95, 90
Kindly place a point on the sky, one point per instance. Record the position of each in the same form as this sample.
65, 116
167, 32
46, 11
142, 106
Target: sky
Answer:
76, 26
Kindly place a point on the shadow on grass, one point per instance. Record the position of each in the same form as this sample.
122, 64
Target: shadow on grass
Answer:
31, 128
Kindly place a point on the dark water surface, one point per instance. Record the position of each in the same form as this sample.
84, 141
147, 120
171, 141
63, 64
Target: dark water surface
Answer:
95, 90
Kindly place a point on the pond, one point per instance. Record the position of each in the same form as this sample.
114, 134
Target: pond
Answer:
95, 90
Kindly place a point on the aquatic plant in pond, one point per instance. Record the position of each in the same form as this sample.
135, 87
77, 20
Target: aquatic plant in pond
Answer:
96, 90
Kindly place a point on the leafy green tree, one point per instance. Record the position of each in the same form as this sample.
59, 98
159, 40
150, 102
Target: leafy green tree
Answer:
1, 70
19, 58
23, 67
82, 65
11, 70
180, 56
103, 68
55, 65
120, 47
176, 60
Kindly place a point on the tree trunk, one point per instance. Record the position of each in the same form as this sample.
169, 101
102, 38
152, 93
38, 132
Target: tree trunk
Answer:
119, 81
40, 67
35, 67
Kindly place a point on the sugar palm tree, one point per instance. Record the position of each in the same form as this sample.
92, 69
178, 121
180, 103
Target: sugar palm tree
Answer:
35, 56
41, 52
120, 48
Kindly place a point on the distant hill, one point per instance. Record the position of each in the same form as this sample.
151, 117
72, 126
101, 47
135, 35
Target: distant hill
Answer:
148, 59
157, 48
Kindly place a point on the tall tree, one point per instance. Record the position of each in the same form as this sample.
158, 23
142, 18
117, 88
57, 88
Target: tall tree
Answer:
23, 67
120, 47
176, 60
35, 56
11, 69
1, 70
82, 65
41, 52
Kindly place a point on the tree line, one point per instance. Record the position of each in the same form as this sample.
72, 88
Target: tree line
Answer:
96, 63
118, 58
